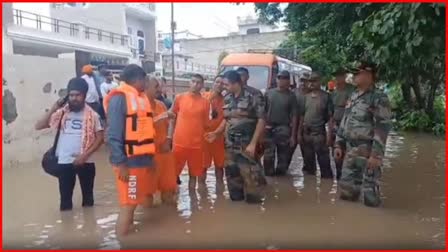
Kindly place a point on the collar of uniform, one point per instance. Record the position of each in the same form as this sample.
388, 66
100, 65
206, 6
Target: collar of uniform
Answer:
370, 89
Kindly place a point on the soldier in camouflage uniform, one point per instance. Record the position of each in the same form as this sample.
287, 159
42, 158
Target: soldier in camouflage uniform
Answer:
340, 97
281, 126
363, 132
300, 92
244, 74
244, 115
316, 111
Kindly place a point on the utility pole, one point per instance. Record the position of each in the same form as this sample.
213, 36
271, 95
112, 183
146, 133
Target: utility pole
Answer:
173, 27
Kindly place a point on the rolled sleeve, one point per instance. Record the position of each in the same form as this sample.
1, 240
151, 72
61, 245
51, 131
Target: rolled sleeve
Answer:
116, 129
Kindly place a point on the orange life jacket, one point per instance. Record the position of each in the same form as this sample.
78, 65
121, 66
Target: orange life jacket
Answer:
139, 129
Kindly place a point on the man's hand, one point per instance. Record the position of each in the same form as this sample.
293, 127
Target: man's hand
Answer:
292, 141
337, 153
373, 163
166, 146
171, 115
57, 105
211, 136
80, 160
250, 149
123, 173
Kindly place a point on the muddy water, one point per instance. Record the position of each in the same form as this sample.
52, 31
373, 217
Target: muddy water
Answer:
299, 212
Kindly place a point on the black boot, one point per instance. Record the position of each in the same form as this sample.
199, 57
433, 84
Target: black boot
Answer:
349, 196
372, 197
253, 199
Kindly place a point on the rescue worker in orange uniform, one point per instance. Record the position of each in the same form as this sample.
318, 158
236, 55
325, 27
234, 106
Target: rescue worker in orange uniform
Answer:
192, 113
164, 158
130, 137
215, 151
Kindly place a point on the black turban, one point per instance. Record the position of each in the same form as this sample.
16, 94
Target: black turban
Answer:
78, 84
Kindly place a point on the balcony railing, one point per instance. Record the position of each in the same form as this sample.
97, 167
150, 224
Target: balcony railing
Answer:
39, 22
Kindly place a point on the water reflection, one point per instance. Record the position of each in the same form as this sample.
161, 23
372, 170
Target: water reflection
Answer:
298, 212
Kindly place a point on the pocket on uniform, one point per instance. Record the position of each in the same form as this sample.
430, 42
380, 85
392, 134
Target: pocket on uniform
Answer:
243, 108
361, 112
243, 104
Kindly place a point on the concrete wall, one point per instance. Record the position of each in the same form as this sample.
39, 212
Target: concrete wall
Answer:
106, 16
207, 50
31, 84
148, 27
7, 18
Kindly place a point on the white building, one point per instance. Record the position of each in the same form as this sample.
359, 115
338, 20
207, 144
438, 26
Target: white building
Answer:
111, 33
186, 34
249, 25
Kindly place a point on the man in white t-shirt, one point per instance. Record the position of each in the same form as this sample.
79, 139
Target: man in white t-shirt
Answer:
81, 134
108, 84
93, 93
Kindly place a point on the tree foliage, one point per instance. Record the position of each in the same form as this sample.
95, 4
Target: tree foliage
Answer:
407, 41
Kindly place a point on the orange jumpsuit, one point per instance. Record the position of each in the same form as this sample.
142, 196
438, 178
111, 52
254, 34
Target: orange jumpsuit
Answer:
192, 119
215, 151
165, 164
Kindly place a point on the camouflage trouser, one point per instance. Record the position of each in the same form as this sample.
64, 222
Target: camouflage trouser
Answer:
276, 142
338, 163
356, 176
314, 143
244, 174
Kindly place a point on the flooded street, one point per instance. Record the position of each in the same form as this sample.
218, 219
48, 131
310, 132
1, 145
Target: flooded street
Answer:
298, 213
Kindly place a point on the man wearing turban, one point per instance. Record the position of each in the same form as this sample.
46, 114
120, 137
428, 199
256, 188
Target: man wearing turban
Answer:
80, 135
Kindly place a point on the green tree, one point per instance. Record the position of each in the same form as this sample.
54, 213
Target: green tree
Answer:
407, 41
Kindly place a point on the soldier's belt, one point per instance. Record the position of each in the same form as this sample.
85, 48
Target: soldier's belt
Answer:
239, 140
359, 141
275, 125
309, 129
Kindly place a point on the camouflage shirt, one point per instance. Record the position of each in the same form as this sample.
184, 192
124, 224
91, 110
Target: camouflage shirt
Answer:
340, 98
367, 117
242, 113
253, 90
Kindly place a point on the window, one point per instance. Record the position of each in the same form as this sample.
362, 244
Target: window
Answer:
141, 46
140, 34
129, 31
258, 75
76, 4
253, 31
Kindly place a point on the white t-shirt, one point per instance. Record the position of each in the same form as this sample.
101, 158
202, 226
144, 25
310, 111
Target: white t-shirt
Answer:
92, 94
107, 87
69, 143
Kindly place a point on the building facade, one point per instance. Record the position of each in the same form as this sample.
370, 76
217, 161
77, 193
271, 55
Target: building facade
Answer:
99, 33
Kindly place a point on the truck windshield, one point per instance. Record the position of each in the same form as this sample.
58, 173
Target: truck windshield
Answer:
258, 75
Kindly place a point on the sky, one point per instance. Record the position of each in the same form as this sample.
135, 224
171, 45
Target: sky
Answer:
205, 19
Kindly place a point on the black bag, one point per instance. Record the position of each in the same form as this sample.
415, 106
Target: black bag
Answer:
49, 160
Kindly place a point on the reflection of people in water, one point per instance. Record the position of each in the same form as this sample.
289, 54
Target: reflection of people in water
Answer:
73, 228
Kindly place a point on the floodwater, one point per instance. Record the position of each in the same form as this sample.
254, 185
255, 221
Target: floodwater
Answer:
298, 213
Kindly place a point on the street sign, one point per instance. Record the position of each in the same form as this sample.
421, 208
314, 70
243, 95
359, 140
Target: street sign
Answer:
167, 43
